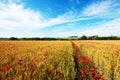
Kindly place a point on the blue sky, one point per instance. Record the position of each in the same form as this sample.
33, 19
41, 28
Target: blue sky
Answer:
59, 18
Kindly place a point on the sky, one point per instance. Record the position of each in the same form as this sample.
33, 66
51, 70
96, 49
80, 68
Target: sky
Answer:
59, 18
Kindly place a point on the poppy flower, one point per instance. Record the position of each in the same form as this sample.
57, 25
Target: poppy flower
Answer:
87, 60
84, 78
85, 69
96, 75
82, 72
94, 70
7, 67
91, 74
102, 79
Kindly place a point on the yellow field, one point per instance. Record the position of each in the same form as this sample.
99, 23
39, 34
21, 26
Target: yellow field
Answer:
36, 60
55, 60
105, 55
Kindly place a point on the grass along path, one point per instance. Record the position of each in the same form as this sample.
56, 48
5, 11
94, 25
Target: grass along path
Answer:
85, 69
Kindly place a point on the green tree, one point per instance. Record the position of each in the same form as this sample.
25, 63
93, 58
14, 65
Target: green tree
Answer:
83, 37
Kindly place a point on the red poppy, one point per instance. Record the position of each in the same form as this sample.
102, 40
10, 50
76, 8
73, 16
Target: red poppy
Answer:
93, 79
102, 79
7, 67
91, 74
87, 60
85, 69
96, 75
94, 70
84, 78
82, 72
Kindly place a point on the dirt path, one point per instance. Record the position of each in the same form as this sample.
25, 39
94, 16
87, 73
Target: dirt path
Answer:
85, 69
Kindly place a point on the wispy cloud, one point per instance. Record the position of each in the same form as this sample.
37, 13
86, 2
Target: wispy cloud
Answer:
64, 34
96, 9
108, 28
104, 9
15, 17
107, 9
21, 18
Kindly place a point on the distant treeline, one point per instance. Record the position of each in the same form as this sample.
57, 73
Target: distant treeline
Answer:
68, 38
100, 38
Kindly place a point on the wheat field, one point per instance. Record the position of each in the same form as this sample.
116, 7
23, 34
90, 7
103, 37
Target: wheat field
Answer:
59, 60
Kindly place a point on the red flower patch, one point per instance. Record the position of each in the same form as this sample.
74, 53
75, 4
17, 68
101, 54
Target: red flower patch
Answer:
82, 72
7, 67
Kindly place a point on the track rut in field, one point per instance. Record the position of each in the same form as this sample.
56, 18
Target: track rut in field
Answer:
84, 67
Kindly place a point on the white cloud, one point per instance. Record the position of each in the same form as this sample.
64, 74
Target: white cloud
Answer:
64, 27
96, 9
107, 9
64, 34
15, 16
105, 29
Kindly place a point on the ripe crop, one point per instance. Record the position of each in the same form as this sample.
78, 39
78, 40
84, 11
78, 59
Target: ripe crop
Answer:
59, 60
105, 55
36, 60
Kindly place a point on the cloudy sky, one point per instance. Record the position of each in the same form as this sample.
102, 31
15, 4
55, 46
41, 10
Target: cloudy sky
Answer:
59, 18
